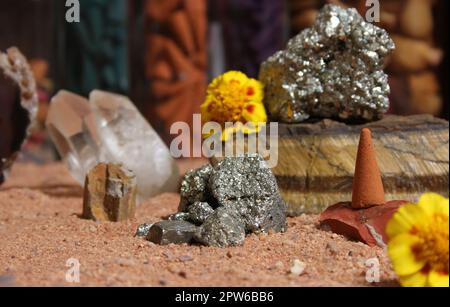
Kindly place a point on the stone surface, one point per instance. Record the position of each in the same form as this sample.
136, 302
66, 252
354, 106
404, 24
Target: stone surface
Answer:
242, 177
316, 160
235, 197
298, 267
333, 69
180, 216
224, 228
18, 86
244, 197
143, 230
195, 188
366, 225
199, 212
110, 193
172, 232
109, 128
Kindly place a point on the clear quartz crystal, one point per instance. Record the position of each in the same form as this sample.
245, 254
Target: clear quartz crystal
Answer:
109, 128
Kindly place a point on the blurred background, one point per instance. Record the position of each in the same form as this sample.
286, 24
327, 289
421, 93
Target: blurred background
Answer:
162, 53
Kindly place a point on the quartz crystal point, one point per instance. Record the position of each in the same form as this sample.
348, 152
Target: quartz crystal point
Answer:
131, 140
109, 128
333, 69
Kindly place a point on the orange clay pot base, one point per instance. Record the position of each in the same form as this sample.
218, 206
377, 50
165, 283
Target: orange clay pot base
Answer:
355, 224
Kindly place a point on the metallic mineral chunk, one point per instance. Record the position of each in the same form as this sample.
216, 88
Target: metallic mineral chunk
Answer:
224, 228
246, 186
242, 177
194, 187
199, 212
333, 69
168, 232
110, 193
180, 216
142, 230
236, 196
261, 215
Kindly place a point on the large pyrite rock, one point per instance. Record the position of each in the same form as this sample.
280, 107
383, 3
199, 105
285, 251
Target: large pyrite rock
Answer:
235, 197
333, 70
18, 108
109, 127
110, 193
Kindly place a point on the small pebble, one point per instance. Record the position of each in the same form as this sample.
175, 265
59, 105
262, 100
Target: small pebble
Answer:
332, 247
186, 258
298, 267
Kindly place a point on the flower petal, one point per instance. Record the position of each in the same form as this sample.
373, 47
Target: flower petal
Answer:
433, 203
436, 279
402, 257
255, 113
404, 220
418, 279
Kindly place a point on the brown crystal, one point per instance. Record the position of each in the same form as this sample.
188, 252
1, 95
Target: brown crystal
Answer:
109, 194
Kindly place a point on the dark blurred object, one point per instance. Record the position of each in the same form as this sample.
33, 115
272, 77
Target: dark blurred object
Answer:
94, 51
18, 105
28, 25
253, 30
176, 60
442, 37
13, 119
413, 67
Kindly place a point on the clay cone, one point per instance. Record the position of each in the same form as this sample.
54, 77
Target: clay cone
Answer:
368, 188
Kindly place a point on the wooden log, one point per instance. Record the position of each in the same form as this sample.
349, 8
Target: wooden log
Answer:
316, 161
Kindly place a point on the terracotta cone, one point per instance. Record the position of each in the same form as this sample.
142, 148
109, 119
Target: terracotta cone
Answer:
368, 188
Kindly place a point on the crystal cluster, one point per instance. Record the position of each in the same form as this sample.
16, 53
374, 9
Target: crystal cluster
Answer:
109, 128
333, 69
225, 202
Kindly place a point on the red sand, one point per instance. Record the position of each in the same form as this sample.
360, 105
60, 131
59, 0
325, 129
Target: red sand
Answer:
40, 230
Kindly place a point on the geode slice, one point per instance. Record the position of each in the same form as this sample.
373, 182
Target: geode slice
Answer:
19, 105
333, 69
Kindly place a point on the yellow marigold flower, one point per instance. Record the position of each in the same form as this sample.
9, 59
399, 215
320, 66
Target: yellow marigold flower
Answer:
235, 98
418, 242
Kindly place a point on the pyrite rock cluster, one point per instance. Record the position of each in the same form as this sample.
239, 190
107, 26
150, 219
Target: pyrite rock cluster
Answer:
19, 107
109, 128
333, 69
238, 196
109, 193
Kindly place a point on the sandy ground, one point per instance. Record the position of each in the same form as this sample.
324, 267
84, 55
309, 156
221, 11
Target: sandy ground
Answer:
40, 230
